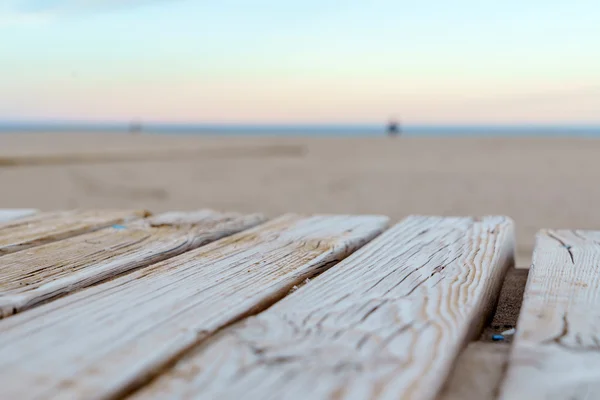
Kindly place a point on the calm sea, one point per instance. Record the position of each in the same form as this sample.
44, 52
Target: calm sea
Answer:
307, 130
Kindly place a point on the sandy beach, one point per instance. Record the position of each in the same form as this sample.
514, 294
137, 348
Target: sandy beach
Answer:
539, 182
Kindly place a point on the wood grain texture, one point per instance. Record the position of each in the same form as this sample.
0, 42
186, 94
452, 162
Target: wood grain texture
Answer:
9, 214
32, 276
105, 340
556, 352
386, 323
48, 227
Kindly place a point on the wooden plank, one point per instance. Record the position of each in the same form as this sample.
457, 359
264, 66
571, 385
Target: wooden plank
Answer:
48, 227
105, 340
555, 354
10, 214
386, 323
30, 277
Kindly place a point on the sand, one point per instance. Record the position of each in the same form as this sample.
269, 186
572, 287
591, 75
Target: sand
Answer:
539, 182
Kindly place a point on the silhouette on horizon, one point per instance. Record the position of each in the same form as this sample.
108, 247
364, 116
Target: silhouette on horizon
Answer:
393, 128
135, 127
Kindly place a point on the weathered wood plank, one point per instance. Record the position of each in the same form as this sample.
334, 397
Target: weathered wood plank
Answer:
9, 214
32, 276
104, 340
556, 352
52, 226
386, 323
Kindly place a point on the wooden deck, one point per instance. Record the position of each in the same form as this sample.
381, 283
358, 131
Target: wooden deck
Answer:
105, 304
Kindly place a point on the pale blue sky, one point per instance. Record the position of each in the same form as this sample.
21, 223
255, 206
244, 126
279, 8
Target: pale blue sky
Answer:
431, 61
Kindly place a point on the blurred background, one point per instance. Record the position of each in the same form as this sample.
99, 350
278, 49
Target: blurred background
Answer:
388, 107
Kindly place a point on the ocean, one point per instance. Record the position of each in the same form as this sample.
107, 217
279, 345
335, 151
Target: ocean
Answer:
303, 130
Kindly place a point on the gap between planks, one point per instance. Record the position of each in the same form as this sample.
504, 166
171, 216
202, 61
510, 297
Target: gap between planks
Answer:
35, 275
387, 322
107, 340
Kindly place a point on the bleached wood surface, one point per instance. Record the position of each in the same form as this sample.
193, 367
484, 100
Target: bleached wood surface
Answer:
32, 276
104, 340
9, 214
556, 352
386, 323
48, 227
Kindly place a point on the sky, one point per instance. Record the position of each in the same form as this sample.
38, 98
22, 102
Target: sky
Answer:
301, 62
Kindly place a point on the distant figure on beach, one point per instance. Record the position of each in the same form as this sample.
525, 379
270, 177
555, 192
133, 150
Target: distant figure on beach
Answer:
393, 128
135, 128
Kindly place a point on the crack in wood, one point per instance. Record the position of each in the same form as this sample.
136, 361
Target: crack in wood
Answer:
563, 244
559, 339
